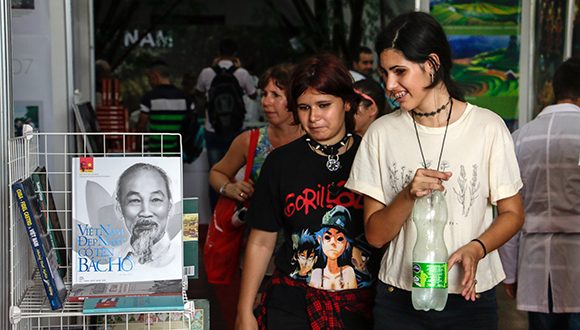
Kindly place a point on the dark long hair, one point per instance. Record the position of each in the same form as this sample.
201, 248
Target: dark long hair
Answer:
327, 74
417, 35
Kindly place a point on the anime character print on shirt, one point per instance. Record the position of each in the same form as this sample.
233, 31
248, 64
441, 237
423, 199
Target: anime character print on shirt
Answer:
361, 253
322, 222
326, 256
339, 265
305, 256
329, 259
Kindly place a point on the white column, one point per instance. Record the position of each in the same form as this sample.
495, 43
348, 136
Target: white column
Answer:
5, 125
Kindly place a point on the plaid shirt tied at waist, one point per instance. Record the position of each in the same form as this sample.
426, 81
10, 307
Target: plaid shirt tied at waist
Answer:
323, 307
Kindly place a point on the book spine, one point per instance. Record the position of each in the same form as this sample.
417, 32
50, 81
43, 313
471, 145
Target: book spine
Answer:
39, 254
72, 298
133, 304
190, 237
44, 204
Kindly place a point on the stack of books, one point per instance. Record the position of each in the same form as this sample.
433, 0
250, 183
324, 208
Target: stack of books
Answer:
40, 219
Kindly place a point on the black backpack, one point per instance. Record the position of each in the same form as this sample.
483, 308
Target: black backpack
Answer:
226, 108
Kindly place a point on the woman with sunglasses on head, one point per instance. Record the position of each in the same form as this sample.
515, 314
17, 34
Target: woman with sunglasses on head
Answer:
322, 281
435, 141
373, 104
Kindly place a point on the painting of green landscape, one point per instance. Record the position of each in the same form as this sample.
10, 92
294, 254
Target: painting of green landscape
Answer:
482, 13
487, 67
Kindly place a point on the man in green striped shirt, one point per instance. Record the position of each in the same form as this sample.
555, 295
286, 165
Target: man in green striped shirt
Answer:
163, 108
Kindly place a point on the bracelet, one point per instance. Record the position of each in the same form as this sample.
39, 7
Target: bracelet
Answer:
223, 188
482, 246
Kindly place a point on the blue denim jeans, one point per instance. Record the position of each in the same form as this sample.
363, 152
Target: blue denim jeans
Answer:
394, 310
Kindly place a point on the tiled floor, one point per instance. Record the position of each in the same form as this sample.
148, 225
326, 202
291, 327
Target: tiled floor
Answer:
509, 317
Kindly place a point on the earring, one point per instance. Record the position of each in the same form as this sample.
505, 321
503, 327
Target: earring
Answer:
432, 77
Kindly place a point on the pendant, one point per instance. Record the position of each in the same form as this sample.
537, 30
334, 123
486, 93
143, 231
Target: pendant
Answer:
333, 164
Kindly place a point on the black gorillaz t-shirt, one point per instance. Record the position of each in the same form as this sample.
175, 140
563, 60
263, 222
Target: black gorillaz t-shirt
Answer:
323, 225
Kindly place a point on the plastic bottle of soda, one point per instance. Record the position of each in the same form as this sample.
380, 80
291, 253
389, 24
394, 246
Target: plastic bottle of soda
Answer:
430, 253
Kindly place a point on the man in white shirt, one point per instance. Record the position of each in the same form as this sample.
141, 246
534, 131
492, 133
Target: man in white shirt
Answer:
362, 64
218, 144
541, 262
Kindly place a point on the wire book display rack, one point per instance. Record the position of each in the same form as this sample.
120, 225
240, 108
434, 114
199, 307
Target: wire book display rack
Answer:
29, 305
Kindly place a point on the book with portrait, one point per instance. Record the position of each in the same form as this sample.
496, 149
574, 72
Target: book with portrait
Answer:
45, 255
127, 220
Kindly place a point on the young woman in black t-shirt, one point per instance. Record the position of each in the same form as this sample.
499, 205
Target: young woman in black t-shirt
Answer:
325, 266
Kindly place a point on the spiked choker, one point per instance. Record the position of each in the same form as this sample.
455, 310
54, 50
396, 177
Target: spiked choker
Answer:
333, 163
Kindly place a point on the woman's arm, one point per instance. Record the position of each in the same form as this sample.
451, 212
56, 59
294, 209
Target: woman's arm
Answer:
256, 258
509, 221
383, 223
222, 172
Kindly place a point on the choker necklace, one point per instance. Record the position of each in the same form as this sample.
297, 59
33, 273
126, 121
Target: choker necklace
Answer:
333, 163
432, 113
442, 143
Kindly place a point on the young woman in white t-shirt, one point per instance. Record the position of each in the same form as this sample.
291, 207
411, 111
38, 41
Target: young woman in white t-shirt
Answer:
435, 141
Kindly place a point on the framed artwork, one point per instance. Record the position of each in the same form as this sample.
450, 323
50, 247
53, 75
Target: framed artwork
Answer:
485, 41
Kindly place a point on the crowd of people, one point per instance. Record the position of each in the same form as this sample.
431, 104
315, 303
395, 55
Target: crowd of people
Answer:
336, 173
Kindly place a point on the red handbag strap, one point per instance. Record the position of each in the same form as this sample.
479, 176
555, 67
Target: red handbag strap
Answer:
254, 135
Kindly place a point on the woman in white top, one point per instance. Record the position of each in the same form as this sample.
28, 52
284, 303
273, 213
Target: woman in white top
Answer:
435, 141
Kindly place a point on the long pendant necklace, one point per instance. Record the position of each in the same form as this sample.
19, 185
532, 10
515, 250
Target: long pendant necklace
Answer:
331, 152
444, 136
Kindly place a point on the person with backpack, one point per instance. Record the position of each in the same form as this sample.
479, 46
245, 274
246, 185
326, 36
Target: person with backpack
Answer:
222, 86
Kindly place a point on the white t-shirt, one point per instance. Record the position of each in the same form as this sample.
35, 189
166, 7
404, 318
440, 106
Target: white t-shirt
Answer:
356, 76
478, 151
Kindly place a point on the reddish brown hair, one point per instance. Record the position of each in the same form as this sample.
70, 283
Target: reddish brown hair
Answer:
327, 74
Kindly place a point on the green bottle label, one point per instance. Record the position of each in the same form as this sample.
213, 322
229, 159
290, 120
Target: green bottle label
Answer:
430, 275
